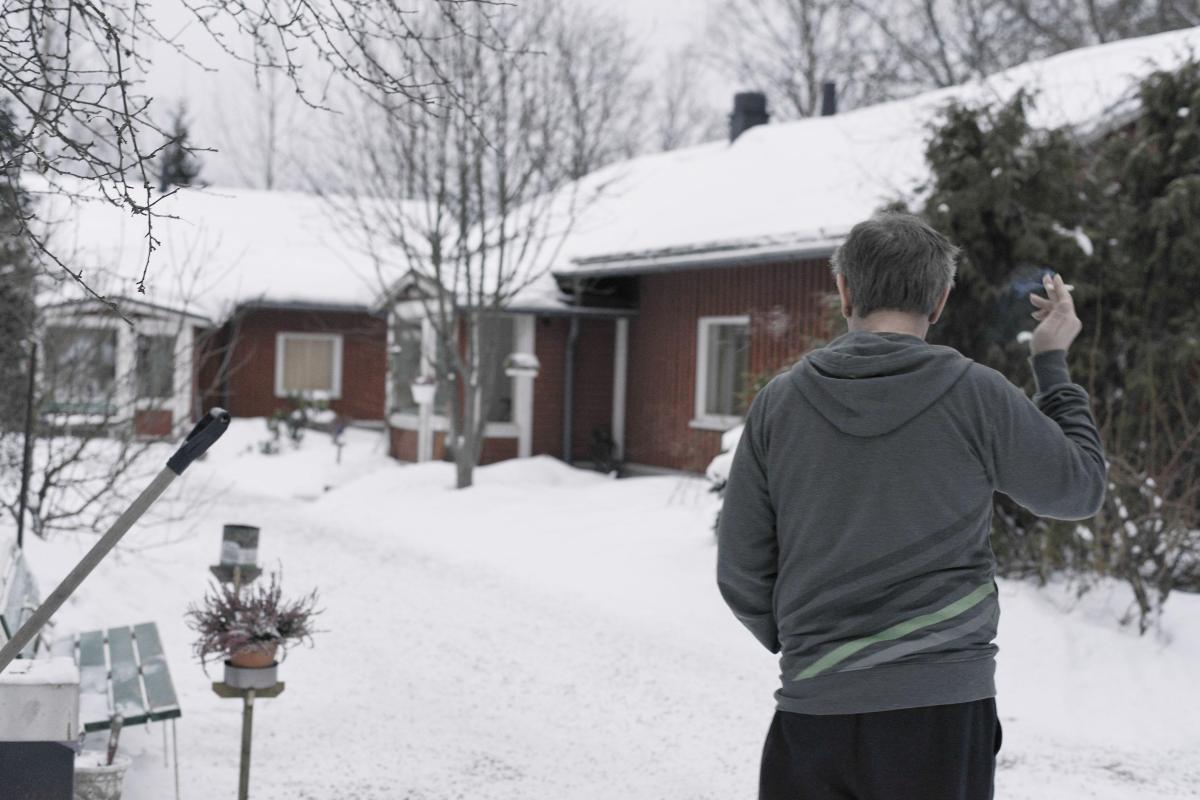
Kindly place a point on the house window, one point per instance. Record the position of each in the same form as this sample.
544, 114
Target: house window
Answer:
308, 364
156, 366
81, 369
721, 363
496, 338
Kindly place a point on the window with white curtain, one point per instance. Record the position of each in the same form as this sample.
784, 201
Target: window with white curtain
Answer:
308, 364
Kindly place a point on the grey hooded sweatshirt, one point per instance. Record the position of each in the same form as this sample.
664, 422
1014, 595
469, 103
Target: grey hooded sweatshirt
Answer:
853, 539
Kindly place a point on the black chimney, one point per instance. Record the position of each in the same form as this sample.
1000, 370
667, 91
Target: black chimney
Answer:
749, 109
828, 99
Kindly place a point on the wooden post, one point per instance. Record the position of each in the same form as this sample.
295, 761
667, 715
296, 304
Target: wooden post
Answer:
247, 725
222, 689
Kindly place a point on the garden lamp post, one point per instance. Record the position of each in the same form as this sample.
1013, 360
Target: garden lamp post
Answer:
424, 390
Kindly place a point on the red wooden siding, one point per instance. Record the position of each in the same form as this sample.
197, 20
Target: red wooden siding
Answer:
206, 362
782, 301
593, 384
152, 422
250, 388
404, 446
550, 346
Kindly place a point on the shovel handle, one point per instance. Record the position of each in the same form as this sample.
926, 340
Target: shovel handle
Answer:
207, 430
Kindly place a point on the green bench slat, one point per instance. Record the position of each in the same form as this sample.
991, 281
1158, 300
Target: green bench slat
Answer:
17, 593
95, 709
27, 609
128, 700
19, 600
64, 646
7, 622
160, 691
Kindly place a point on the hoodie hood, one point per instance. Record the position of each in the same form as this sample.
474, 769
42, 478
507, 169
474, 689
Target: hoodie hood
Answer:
868, 383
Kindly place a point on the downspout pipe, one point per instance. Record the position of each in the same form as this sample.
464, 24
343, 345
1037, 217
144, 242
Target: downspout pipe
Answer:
569, 381
569, 389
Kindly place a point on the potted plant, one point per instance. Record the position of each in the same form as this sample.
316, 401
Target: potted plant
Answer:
423, 388
248, 626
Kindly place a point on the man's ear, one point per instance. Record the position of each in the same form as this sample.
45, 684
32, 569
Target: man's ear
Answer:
941, 306
844, 293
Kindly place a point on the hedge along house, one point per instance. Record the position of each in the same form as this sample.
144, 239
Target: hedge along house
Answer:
701, 270
277, 307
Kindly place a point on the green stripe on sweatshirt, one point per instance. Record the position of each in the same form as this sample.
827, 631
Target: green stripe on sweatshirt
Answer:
897, 631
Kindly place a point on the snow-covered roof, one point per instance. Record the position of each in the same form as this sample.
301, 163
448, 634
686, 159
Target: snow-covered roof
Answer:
781, 190
796, 188
218, 248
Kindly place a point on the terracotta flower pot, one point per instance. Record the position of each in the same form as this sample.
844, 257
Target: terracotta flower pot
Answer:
254, 657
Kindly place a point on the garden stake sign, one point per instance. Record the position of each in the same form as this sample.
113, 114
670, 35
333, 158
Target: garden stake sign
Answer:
207, 431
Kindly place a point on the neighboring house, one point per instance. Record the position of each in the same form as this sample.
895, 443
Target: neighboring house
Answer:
97, 369
252, 301
700, 269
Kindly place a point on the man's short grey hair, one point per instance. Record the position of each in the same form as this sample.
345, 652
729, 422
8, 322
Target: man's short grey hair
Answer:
895, 261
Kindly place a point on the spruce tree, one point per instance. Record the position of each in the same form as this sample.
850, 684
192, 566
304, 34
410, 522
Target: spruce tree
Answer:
18, 271
177, 165
1147, 355
1014, 199
1116, 218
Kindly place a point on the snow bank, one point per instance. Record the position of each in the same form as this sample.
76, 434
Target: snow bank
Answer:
553, 633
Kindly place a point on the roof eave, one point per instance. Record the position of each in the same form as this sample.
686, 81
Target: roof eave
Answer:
698, 260
598, 312
324, 306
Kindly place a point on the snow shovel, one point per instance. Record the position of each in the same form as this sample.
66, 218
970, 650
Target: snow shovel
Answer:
207, 431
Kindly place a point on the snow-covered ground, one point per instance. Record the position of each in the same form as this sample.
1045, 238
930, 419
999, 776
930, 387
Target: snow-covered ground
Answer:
556, 634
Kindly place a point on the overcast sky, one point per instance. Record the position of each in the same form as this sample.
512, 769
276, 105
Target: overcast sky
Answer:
219, 99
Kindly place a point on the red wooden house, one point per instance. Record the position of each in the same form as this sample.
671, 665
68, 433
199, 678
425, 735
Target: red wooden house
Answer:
701, 270
692, 275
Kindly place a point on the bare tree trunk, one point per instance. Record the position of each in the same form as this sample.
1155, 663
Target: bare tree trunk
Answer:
494, 182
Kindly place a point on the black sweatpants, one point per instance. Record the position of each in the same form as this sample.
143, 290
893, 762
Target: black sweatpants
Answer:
945, 752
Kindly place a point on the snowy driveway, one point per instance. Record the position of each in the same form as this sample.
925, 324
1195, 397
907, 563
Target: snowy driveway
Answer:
552, 634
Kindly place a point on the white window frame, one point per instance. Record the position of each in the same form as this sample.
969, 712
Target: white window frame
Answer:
702, 419
336, 338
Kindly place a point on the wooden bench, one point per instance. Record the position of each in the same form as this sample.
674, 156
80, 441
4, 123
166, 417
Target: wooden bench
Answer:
18, 599
122, 671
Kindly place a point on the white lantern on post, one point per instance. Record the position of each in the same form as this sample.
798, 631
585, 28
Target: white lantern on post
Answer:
521, 365
424, 390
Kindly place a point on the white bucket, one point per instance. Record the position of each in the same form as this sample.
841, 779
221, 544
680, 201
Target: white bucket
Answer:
95, 780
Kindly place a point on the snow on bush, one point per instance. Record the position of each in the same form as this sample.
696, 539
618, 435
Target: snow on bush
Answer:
718, 469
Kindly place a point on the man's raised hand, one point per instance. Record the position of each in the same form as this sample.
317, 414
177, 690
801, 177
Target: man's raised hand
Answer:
1058, 326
